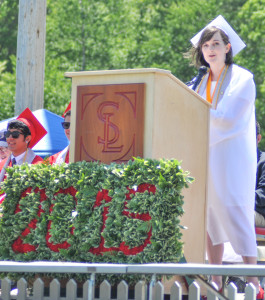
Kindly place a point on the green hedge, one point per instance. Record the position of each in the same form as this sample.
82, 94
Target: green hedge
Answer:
92, 212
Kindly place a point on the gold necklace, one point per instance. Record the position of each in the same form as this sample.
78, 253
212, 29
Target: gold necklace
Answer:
24, 159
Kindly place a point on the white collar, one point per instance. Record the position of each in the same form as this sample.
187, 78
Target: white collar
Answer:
18, 158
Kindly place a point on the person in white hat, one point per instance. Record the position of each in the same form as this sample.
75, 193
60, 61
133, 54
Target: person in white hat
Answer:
232, 145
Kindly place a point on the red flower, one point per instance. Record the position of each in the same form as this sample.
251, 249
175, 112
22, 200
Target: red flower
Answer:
102, 195
25, 232
18, 246
26, 192
146, 187
18, 209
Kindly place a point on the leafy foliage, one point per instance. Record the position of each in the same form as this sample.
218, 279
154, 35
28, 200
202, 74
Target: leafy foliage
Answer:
252, 25
117, 34
7, 89
8, 31
91, 212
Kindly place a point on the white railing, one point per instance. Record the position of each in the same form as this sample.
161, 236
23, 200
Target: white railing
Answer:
154, 290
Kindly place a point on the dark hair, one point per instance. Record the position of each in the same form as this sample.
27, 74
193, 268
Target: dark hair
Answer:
208, 33
17, 124
68, 113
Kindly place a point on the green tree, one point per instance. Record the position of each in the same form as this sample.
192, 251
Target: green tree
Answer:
7, 89
116, 34
8, 31
252, 29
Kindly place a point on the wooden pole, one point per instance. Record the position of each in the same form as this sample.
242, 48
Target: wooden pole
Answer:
30, 55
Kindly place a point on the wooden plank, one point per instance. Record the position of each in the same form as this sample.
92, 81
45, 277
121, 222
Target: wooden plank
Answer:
250, 292
61, 267
105, 291
140, 290
197, 269
123, 72
122, 291
30, 55
151, 287
22, 289
231, 291
89, 289
55, 290
158, 291
176, 291
5, 288
71, 290
38, 289
194, 291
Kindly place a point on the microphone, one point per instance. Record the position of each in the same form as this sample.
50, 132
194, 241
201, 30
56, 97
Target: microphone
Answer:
202, 71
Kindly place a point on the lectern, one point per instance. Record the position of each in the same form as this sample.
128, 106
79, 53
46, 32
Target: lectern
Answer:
120, 114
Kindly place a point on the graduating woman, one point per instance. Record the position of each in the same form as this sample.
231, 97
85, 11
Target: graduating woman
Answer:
232, 145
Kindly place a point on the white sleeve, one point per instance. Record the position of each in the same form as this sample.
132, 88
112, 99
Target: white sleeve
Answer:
235, 111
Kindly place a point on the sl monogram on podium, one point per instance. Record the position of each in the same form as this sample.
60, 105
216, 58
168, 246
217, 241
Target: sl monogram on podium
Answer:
110, 122
118, 114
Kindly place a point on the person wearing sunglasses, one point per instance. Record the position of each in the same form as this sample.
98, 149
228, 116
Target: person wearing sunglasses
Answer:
63, 156
21, 135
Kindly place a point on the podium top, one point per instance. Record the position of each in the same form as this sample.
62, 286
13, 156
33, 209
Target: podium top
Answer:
135, 75
116, 72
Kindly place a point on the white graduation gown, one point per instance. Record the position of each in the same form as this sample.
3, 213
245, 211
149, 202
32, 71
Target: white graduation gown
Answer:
232, 162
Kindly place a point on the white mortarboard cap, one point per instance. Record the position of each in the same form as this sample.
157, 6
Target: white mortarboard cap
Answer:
220, 22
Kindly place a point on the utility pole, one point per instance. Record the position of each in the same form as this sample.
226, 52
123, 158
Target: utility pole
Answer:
30, 55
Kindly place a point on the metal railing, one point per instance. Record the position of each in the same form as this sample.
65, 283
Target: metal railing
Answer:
153, 291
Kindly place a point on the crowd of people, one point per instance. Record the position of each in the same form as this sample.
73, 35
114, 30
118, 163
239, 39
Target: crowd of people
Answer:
21, 135
235, 162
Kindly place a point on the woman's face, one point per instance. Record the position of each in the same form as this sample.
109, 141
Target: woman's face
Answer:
4, 153
67, 131
214, 51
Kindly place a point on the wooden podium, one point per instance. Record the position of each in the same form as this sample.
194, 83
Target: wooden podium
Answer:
118, 114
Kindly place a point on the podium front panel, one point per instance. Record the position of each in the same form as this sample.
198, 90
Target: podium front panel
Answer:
109, 122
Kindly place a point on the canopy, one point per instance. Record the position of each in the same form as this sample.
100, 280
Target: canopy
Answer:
54, 141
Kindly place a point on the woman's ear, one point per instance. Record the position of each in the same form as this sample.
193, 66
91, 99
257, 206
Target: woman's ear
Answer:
228, 47
258, 138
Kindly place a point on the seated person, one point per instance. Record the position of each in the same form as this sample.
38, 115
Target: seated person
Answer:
22, 134
4, 151
63, 156
260, 184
